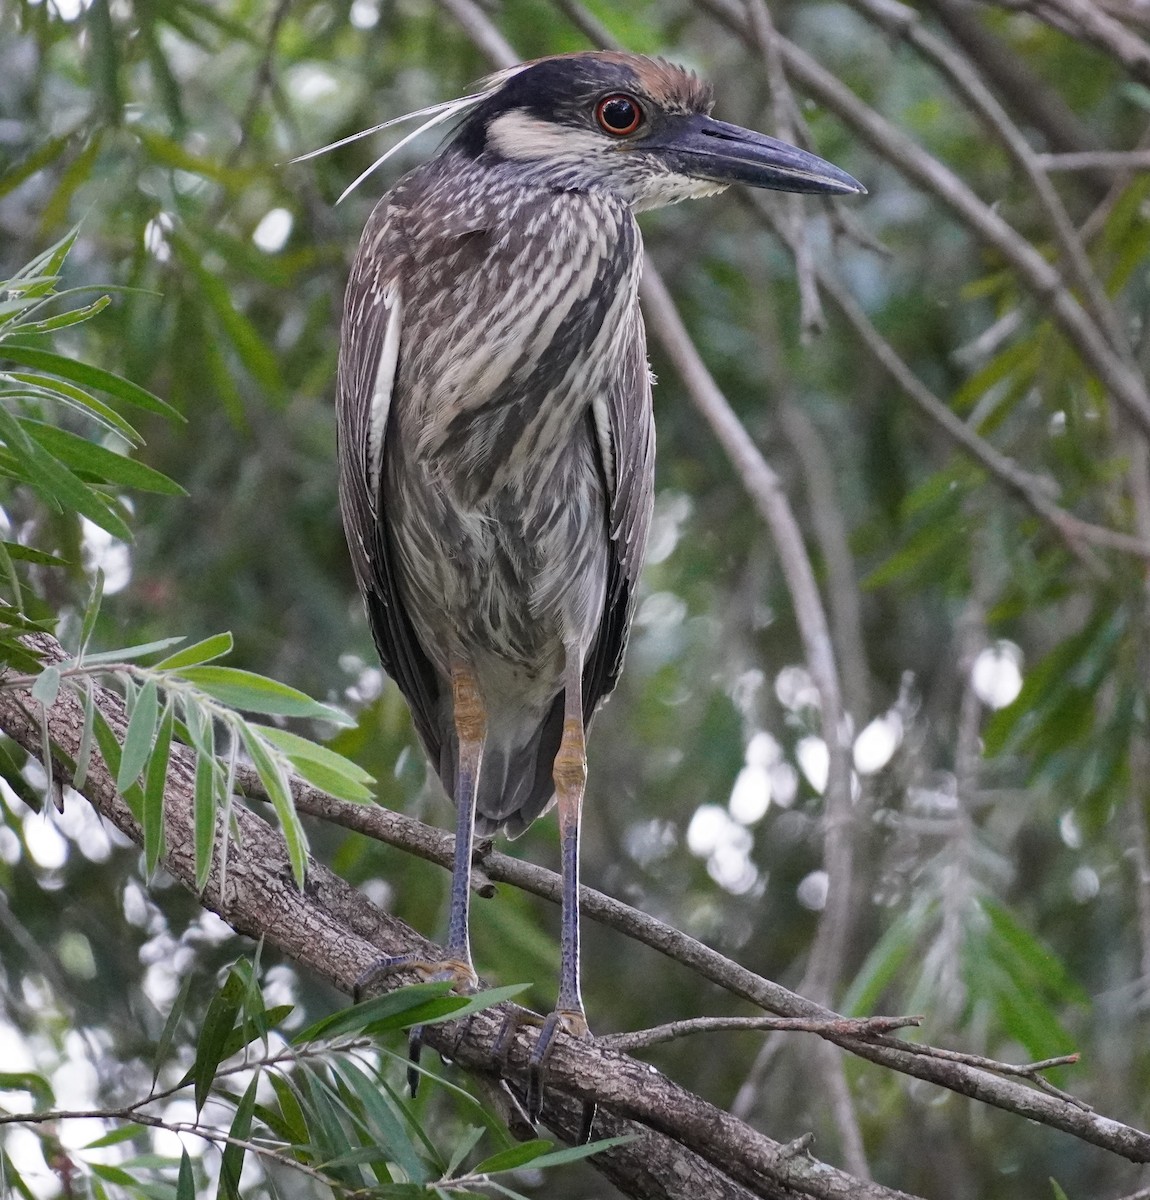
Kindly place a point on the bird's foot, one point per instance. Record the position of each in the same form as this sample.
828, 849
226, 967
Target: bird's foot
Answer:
572, 1021
458, 971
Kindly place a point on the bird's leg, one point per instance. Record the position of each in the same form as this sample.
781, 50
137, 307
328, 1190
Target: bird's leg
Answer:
570, 775
471, 730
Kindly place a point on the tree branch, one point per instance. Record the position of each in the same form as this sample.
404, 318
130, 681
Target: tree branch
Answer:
685, 1147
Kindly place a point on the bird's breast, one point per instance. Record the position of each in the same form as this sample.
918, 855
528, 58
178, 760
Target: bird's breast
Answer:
512, 334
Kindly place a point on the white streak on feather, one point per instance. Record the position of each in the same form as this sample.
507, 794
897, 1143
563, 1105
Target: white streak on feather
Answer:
382, 388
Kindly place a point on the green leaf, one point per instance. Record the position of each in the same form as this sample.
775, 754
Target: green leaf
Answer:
356, 1018
256, 693
44, 388
91, 612
570, 1154
291, 1112
320, 766
105, 465
32, 555
84, 752
113, 1175
47, 686
154, 791
212, 647
37, 1086
232, 1159
54, 482
140, 735
274, 780
128, 653
385, 1128
185, 1181
74, 316
219, 1021
207, 787
123, 1133
88, 376
171, 1026
516, 1156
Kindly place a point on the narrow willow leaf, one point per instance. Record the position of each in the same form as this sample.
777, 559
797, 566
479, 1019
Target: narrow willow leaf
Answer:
154, 788
46, 753
31, 554
84, 753
288, 1122
515, 1156
386, 1129
59, 390
54, 482
171, 1026
210, 648
256, 693
91, 612
47, 686
105, 465
140, 735
89, 376
128, 653
208, 777
185, 1180
122, 1133
73, 316
232, 1159
219, 1021
320, 766
274, 779
9, 569
356, 1018
470, 1136
570, 1154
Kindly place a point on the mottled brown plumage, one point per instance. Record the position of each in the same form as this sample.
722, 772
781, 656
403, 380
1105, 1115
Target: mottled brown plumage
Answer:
495, 430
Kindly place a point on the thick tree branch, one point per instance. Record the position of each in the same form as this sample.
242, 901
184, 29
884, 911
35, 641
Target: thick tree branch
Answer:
685, 1147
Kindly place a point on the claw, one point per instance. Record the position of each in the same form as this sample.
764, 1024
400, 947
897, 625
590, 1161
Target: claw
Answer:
458, 971
574, 1023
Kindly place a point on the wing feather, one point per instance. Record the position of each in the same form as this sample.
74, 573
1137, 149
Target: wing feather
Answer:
371, 343
624, 430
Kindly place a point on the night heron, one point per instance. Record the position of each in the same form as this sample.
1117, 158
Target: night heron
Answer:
496, 442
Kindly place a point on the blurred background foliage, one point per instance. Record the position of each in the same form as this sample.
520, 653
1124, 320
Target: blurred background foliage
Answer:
994, 667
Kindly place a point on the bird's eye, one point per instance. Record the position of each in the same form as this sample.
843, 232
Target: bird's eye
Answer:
619, 114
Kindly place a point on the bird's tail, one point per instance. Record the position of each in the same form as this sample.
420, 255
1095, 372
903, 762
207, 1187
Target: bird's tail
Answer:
515, 782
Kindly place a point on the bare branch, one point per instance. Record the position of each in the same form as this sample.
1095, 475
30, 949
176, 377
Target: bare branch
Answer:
685, 1147
434, 845
852, 1027
1032, 269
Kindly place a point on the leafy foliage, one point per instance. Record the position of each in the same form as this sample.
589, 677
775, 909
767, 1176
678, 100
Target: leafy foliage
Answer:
999, 846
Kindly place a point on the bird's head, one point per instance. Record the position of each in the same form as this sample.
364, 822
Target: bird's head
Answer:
634, 126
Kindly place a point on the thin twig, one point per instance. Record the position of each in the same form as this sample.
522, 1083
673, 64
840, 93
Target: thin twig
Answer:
434, 845
897, 18
1030, 266
642, 1039
1035, 490
1096, 160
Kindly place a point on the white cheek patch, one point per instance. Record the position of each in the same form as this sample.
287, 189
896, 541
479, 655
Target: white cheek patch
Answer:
517, 134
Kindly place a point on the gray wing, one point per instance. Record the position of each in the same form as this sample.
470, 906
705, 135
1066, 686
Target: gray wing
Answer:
624, 429
371, 337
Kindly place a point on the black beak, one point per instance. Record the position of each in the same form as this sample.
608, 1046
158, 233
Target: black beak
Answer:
707, 149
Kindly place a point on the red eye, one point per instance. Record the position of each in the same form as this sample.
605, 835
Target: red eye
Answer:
619, 114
